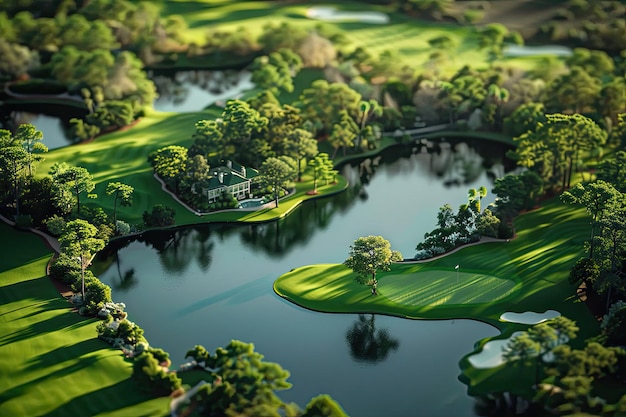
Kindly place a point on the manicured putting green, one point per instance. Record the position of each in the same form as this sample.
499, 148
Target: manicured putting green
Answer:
408, 290
440, 287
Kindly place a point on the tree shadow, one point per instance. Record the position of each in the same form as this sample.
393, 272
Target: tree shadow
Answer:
368, 344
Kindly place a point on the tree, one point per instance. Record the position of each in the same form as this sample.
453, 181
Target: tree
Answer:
613, 171
13, 160
240, 125
367, 256
599, 198
323, 406
300, 144
525, 118
17, 60
169, 163
160, 216
276, 174
321, 166
343, 133
574, 91
275, 72
244, 383
31, 138
79, 242
123, 195
74, 180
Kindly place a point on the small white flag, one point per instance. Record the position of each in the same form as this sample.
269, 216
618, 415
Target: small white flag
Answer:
456, 267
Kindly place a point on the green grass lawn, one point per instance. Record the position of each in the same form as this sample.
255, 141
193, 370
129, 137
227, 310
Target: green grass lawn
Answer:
51, 362
529, 273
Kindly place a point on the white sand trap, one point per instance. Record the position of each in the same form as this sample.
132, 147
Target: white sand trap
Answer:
491, 355
524, 50
332, 15
529, 317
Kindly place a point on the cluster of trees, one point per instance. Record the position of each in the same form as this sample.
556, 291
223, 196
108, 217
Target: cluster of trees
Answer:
566, 379
602, 271
468, 224
242, 383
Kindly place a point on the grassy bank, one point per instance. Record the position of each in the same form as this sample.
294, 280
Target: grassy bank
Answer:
51, 362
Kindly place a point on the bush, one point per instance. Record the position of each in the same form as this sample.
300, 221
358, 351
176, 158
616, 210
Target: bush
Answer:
122, 228
96, 294
23, 220
149, 371
62, 266
55, 225
159, 217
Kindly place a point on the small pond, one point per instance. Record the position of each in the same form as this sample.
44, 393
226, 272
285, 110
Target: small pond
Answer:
213, 283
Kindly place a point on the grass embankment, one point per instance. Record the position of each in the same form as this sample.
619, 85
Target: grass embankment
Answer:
529, 273
51, 362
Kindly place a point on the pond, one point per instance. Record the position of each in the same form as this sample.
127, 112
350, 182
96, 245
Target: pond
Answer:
210, 284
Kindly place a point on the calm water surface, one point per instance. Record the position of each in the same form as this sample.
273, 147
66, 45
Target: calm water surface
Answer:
211, 284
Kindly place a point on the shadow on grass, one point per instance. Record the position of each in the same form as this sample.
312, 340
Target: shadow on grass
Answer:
22, 389
111, 399
65, 353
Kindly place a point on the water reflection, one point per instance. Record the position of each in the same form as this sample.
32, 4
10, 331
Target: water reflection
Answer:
185, 91
366, 343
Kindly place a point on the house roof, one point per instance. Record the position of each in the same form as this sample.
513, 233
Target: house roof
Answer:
231, 175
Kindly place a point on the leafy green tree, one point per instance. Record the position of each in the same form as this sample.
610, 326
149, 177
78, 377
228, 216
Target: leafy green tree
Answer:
323, 406
244, 383
31, 140
599, 198
123, 195
169, 163
324, 103
81, 130
321, 166
160, 216
299, 145
525, 118
111, 114
369, 255
613, 170
72, 180
594, 62
80, 242
343, 133
240, 127
275, 72
276, 174
17, 60
575, 91
13, 161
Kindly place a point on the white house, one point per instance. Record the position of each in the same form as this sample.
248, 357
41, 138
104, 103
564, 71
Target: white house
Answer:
233, 178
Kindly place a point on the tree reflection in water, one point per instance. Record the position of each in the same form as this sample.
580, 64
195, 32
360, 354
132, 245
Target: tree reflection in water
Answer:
368, 344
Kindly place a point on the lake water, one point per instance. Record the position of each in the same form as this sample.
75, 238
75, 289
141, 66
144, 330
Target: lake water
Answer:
210, 284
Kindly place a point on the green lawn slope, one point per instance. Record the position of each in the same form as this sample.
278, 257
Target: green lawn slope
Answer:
51, 362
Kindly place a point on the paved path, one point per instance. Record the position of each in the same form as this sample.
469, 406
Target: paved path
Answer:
51, 241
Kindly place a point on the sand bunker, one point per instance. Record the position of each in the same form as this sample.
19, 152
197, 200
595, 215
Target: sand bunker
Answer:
529, 317
491, 355
332, 15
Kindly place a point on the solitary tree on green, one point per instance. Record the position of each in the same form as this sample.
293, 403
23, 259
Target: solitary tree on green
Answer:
368, 255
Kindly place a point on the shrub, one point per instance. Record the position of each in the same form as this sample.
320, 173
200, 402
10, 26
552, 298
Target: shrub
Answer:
55, 225
23, 220
96, 294
148, 370
64, 265
122, 228
160, 216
